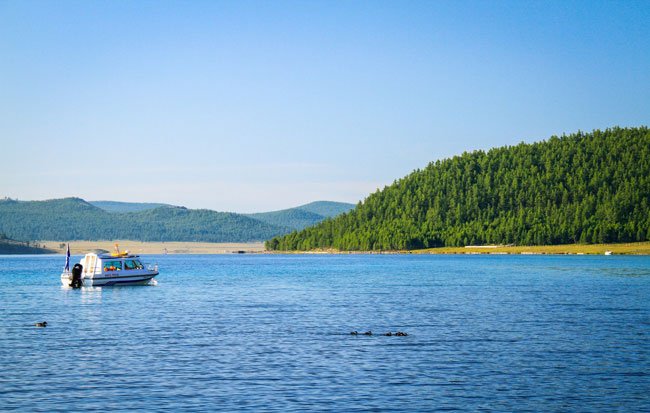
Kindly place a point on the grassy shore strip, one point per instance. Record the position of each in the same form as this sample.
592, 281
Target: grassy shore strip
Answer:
139, 247
635, 248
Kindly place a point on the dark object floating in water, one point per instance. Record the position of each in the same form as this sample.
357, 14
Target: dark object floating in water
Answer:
41, 324
356, 333
388, 334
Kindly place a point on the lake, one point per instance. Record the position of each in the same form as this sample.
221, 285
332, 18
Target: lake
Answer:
272, 333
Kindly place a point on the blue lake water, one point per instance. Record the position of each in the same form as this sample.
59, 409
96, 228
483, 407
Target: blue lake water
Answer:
271, 333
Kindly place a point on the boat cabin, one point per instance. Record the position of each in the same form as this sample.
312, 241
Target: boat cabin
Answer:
110, 263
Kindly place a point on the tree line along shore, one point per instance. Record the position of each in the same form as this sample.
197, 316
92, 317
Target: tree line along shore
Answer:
138, 247
633, 248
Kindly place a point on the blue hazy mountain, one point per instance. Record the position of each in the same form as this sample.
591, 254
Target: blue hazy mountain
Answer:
303, 216
76, 219
327, 209
116, 206
295, 218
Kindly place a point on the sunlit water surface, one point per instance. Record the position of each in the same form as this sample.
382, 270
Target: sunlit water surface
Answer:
271, 333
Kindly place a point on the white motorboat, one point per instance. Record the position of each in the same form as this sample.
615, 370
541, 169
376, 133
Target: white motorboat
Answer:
108, 269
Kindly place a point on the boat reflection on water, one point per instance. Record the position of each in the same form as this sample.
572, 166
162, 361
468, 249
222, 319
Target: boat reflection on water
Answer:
91, 295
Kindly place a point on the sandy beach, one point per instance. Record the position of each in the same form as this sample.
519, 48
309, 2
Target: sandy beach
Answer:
139, 247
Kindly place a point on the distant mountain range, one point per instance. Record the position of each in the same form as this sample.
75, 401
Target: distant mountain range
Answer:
293, 218
118, 207
76, 219
303, 216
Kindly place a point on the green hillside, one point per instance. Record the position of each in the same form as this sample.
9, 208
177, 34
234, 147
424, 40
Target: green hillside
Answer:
304, 215
292, 218
76, 219
10, 246
327, 209
115, 206
583, 188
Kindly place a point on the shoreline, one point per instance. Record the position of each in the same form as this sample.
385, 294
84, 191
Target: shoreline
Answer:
633, 248
143, 248
140, 247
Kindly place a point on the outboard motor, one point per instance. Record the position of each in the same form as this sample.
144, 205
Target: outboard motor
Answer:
76, 276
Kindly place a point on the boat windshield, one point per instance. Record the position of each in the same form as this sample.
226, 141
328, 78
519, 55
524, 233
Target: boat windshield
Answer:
133, 265
112, 265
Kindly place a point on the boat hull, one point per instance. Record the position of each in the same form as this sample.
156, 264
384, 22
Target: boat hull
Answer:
103, 281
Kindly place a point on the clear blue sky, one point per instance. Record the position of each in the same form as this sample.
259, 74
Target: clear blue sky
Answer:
251, 106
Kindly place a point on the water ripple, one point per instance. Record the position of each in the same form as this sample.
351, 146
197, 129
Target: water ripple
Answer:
272, 333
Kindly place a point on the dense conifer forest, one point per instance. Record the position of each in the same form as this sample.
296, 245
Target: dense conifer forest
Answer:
582, 188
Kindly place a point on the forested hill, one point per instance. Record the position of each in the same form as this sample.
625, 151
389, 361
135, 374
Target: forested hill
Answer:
10, 246
76, 219
304, 215
585, 188
327, 209
115, 206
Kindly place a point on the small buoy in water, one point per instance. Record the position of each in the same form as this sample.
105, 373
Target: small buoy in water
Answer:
388, 334
401, 334
354, 333
367, 333
41, 324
